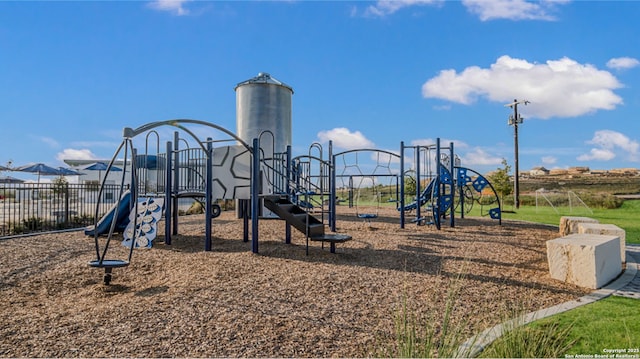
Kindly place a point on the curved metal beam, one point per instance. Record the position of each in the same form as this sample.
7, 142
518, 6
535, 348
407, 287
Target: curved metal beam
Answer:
366, 150
130, 133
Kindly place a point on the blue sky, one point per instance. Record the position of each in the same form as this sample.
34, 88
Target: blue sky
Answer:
365, 74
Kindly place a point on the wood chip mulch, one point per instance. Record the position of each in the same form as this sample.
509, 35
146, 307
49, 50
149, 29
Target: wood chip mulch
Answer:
180, 301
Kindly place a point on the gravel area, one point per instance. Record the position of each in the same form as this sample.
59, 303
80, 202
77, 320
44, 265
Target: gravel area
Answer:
180, 301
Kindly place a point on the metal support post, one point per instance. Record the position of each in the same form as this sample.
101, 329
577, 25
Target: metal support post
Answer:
287, 226
452, 222
176, 181
439, 189
255, 195
168, 205
401, 184
332, 189
208, 201
417, 197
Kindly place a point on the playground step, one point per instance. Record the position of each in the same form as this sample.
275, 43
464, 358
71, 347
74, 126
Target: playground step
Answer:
335, 238
287, 206
294, 215
332, 239
301, 220
301, 217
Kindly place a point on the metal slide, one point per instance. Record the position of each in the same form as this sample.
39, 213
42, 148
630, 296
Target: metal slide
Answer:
424, 197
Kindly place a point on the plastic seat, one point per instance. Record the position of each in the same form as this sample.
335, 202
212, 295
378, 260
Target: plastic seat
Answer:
108, 265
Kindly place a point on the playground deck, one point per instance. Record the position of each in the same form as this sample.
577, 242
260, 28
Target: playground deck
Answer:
180, 301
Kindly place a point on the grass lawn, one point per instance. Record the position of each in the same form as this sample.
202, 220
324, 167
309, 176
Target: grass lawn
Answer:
625, 217
594, 329
611, 323
608, 327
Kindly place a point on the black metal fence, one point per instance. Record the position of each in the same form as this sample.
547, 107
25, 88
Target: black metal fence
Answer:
29, 207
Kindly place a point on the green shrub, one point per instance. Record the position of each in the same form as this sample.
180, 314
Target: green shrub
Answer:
82, 220
227, 204
15, 228
60, 186
550, 340
590, 199
196, 208
501, 180
601, 200
410, 185
33, 224
439, 336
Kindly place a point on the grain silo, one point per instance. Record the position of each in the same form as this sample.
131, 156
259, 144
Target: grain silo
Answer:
264, 104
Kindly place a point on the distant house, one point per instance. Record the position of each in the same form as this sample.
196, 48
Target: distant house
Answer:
558, 172
538, 171
578, 170
625, 171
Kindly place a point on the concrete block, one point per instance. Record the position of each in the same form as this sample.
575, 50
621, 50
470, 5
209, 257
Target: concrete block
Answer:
606, 229
569, 224
586, 260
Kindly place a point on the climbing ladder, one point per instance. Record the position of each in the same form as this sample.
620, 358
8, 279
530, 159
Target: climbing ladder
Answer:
301, 220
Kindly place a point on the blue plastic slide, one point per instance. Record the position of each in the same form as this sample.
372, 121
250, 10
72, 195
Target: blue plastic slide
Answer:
424, 197
104, 224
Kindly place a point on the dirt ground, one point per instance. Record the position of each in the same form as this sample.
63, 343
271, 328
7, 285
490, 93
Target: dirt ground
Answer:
180, 301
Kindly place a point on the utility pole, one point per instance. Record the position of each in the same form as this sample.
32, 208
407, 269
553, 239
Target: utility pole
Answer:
514, 120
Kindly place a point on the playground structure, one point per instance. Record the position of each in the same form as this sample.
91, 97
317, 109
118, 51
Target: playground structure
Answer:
239, 172
298, 189
448, 187
255, 167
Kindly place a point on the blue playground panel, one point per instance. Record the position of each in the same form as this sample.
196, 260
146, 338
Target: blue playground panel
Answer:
480, 183
445, 176
104, 224
462, 175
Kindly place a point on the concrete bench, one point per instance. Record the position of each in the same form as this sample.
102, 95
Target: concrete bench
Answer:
569, 224
606, 229
586, 260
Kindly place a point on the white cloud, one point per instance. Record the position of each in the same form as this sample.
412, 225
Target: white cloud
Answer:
446, 107
597, 154
102, 144
512, 9
557, 88
479, 157
346, 139
71, 153
607, 142
484, 9
382, 159
173, 6
611, 139
549, 160
388, 7
621, 63
50, 142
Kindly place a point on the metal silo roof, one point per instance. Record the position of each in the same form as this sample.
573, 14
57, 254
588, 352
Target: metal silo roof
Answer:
264, 78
